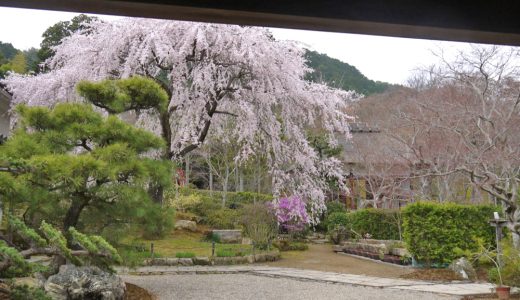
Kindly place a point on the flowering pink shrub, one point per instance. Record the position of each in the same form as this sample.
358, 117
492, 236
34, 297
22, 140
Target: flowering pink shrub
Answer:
291, 213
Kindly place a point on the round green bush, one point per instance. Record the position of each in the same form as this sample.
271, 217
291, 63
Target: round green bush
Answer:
337, 219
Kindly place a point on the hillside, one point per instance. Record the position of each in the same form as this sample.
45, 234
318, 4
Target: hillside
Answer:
7, 51
341, 75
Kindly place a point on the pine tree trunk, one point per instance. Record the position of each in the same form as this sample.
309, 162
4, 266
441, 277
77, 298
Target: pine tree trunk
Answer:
73, 213
155, 191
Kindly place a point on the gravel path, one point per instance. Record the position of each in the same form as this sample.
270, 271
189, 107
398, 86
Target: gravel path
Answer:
245, 286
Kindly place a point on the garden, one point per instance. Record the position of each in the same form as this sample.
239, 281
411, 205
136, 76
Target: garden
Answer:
133, 150
442, 241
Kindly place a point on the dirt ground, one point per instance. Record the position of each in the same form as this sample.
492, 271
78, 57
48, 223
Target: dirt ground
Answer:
134, 292
321, 257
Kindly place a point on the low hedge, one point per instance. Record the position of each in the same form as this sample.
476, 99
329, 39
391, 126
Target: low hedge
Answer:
284, 245
433, 231
380, 224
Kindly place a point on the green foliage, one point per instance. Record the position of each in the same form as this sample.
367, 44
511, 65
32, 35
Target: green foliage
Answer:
28, 234
285, 245
336, 219
321, 144
185, 255
334, 206
134, 255
32, 59
381, 224
341, 75
510, 270
238, 199
72, 161
338, 226
53, 35
157, 222
83, 240
57, 240
204, 203
210, 236
7, 51
225, 252
433, 232
117, 96
511, 264
103, 245
223, 218
19, 267
186, 203
24, 292
259, 224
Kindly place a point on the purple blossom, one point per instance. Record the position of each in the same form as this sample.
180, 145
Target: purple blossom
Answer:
291, 213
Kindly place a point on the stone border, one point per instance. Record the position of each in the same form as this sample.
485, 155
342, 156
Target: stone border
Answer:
213, 261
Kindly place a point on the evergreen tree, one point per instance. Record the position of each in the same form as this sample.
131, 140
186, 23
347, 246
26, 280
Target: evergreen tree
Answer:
69, 161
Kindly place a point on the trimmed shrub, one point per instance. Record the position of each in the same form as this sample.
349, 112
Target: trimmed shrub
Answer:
381, 224
185, 203
436, 232
337, 219
259, 224
223, 218
333, 207
284, 245
210, 236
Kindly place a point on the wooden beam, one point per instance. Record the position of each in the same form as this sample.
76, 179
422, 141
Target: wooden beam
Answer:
479, 21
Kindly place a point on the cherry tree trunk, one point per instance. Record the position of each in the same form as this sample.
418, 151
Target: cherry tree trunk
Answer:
225, 187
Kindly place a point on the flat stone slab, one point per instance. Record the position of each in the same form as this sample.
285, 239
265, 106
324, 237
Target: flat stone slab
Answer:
339, 278
459, 289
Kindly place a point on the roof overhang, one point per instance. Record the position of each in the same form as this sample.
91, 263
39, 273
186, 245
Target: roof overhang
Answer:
494, 22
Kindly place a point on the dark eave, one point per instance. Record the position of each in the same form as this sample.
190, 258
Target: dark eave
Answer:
487, 21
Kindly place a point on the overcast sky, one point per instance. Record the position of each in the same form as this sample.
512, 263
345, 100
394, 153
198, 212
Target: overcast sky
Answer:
378, 58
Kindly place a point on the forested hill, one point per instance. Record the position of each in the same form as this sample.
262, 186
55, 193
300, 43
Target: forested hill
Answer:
7, 51
341, 75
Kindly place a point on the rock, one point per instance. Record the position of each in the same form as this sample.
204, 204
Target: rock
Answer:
402, 252
201, 261
229, 236
186, 225
161, 261
337, 248
260, 258
464, 268
82, 283
185, 262
5, 291
250, 259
